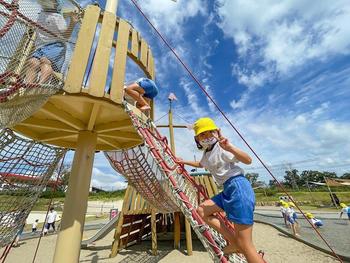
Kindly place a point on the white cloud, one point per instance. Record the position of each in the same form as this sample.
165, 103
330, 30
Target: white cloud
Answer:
284, 37
107, 181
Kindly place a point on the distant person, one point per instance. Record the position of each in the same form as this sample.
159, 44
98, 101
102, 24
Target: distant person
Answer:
50, 50
316, 222
142, 91
283, 209
345, 209
292, 219
51, 219
34, 226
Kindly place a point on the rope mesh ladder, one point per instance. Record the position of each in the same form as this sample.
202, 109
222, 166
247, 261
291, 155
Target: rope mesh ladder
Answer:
36, 43
25, 171
172, 180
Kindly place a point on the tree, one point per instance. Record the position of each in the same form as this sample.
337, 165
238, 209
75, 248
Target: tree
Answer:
292, 178
345, 176
252, 177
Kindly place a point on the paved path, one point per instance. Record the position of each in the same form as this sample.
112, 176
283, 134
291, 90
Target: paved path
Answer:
335, 231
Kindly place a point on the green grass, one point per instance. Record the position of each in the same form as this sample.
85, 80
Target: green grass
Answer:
315, 198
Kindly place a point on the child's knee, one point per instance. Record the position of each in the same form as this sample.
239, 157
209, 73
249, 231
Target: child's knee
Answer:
200, 211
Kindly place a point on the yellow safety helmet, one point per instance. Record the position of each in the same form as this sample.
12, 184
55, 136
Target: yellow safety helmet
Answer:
309, 215
291, 204
203, 125
343, 205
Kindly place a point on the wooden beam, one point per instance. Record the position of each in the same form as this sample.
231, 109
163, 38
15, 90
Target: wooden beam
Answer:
77, 68
174, 126
93, 116
50, 109
113, 126
144, 51
123, 135
58, 135
121, 50
118, 229
150, 63
27, 132
46, 124
100, 65
110, 142
135, 44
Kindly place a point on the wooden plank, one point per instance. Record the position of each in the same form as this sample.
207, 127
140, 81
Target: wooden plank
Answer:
113, 126
100, 65
213, 185
154, 232
150, 63
75, 76
135, 226
135, 44
120, 62
93, 116
28, 132
58, 135
116, 145
122, 135
118, 229
46, 124
144, 53
50, 109
208, 186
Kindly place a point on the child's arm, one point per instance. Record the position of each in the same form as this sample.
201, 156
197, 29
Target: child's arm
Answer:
191, 163
238, 153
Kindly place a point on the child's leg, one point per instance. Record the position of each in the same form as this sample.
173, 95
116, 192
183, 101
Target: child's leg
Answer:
207, 210
45, 69
31, 74
136, 92
244, 240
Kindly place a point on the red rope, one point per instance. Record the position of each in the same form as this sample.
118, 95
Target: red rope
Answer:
231, 124
12, 18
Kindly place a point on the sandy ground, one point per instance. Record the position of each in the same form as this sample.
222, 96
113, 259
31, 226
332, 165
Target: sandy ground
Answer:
278, 248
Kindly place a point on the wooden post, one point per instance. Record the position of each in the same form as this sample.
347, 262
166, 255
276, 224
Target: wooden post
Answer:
118, 229
154, 232
177, 226
75, 204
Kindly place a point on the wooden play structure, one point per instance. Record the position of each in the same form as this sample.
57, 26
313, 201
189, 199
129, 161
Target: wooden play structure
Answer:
93, 115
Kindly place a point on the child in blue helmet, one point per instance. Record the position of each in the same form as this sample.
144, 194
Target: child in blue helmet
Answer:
50, 49
237, 199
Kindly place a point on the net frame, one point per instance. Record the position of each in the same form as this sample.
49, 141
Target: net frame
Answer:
185, 191
30, 35
26, 167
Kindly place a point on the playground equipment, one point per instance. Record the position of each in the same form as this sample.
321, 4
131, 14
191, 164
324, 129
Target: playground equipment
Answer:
59, 109
102, 232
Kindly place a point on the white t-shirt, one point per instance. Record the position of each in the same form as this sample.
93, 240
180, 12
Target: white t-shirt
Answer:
314, 220
283, 210
221, 164
35, 224
53, 22
289, 212
51, 217
346, 210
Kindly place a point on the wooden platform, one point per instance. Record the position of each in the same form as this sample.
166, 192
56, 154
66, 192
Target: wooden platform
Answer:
59, 121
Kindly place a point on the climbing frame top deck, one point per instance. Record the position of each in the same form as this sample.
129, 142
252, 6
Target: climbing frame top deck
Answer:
77, 107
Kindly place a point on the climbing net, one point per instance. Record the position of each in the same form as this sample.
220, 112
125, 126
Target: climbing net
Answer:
152, 169
26, 167
36, 42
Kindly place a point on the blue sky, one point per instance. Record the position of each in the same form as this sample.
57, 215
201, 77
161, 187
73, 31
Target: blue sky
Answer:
279, 69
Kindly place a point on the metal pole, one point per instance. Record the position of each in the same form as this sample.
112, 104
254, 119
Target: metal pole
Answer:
75, 204
111, 6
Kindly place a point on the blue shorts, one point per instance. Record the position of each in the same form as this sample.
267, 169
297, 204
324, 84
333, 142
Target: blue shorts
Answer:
151, 89
291, 220
318, 223
237, 200
295, 216
55, 52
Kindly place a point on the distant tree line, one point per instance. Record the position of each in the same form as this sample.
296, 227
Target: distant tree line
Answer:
295, 179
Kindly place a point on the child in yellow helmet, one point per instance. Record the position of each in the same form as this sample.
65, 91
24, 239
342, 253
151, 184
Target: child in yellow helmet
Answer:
345, 209
237, 199
316, 222
292, 218
283, 206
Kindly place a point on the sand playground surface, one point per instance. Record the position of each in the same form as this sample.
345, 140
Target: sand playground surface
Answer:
277, 246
